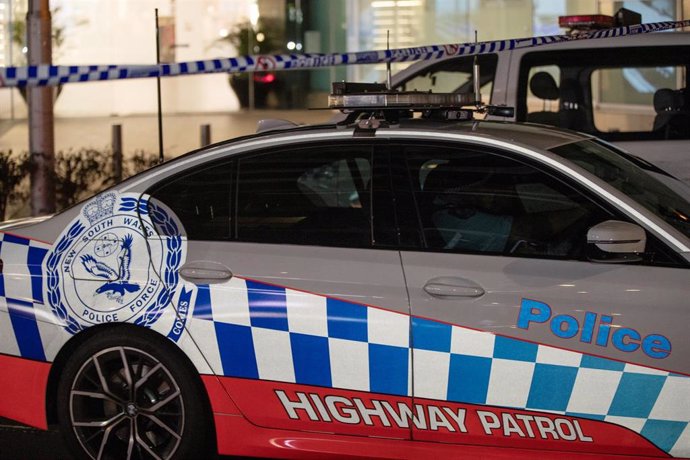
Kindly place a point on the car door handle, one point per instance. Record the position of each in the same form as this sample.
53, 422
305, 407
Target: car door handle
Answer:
452, 287
205, 272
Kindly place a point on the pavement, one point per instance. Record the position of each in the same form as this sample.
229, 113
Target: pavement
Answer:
181, 132
19, 442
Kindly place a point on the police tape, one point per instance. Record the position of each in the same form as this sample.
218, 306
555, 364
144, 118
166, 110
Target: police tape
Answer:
52, 75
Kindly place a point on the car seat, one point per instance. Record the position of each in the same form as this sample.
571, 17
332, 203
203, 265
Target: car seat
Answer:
544, 87
571, 114
672, 109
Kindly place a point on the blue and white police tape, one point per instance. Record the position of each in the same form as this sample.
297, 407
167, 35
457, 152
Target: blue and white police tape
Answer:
49, 75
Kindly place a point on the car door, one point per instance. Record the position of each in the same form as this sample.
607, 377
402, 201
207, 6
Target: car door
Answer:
518, 339
304, 319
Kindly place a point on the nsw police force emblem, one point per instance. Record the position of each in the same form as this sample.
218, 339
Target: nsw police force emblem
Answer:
117, 262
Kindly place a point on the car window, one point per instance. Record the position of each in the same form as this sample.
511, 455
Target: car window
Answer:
619, 94
474, 201
634, 99
663, 195
453, 75
200, 199
318, 196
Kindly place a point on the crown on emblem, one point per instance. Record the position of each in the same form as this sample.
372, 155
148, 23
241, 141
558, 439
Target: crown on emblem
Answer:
100, 207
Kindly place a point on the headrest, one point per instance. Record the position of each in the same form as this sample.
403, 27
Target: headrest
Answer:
544, 86
668, 100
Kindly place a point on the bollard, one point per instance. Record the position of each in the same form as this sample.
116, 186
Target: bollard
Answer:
116, 144
205, 131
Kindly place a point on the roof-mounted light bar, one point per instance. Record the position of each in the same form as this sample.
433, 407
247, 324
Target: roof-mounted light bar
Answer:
350, 96
402, 100
377, 101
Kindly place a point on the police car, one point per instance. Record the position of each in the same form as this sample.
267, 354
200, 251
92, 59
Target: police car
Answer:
629, 90
398, 285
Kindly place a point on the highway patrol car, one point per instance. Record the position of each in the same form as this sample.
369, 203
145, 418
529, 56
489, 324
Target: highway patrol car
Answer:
393, 286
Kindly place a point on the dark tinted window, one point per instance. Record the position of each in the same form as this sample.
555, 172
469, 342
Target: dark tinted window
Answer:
637, 93
201, 200
319, 196
473, 201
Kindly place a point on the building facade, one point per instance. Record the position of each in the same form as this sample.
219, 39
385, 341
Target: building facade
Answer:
123, 32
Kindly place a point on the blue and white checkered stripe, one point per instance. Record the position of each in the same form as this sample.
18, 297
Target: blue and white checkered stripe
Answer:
258, 331
272, 333
21, 296
45, 75
462, 365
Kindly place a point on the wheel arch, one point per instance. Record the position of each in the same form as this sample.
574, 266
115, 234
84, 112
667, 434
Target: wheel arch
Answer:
79, 339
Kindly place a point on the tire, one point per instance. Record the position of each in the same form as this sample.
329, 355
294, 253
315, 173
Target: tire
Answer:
127, 393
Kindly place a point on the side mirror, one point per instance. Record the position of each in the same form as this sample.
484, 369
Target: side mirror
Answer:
614, 241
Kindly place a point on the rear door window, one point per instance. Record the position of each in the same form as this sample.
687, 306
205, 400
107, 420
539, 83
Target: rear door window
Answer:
639, 93
314, 196
640, 99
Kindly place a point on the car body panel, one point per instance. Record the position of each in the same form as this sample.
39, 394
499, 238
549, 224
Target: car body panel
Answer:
569, 370
309, 445
24, 399
254, 328
439, 423
512, 285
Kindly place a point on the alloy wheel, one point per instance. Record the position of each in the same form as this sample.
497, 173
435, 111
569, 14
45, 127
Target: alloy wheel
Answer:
125, 404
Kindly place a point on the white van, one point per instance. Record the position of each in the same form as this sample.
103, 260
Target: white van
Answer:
632, 91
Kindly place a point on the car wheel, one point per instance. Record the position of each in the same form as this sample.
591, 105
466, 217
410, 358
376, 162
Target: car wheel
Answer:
127, 394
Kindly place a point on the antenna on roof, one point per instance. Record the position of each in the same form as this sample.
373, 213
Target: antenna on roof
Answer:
475, 76
388, 64
158, 87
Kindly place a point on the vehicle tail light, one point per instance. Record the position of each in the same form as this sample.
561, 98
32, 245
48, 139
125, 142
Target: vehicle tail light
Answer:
588, 21
583, 22
265, 78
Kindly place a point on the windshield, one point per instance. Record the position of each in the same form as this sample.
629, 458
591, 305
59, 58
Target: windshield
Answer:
453, 76
657, 191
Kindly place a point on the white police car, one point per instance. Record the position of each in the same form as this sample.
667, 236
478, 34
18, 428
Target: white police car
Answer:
630, 90
391, 287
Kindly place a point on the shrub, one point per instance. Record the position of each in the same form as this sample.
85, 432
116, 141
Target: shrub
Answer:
13, 169
79, 174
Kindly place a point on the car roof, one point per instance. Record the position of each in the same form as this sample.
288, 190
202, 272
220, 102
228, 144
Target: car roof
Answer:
537, 136
534, 135
527, 134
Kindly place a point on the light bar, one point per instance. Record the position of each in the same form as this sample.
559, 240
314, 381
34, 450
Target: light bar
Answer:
401, 100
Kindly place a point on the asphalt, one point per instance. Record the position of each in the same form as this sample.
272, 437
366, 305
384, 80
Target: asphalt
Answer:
19, 442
